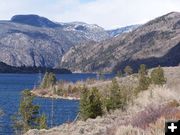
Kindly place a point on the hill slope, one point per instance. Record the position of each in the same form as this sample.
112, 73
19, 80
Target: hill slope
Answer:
148, 108
154, 43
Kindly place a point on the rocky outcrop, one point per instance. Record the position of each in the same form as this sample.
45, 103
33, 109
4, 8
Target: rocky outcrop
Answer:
153, 42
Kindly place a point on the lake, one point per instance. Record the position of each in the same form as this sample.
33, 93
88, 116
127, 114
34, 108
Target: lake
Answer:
11, 86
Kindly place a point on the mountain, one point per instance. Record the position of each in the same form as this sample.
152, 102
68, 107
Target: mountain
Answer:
119, 31
155, 43
34, 20
92, 32
31, 40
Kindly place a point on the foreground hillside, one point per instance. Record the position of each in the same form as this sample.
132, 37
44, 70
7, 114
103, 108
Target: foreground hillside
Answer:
154, 43
146, 114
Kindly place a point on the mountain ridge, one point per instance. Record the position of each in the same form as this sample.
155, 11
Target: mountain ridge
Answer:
153, 39
34, 20
32, 40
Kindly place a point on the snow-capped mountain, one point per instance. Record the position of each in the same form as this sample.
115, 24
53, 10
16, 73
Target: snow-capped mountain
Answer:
119, 31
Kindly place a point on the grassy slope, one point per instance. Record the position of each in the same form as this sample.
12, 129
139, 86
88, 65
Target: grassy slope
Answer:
145, 115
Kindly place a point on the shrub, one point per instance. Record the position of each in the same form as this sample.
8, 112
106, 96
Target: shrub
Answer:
60, 92
151, 114
128, 70
90, 104
119, 74
157, 76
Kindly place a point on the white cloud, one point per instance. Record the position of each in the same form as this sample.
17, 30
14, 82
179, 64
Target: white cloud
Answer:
106, 13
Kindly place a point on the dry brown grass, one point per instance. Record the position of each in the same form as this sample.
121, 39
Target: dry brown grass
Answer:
164, 101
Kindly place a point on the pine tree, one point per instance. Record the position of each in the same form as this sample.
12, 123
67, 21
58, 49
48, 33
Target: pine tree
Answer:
157, 76
44, 83
84, 104
28, 116
42, 122
90, 104
117, 98
49, 80
28, 111
95, 102
52, 79
144, 80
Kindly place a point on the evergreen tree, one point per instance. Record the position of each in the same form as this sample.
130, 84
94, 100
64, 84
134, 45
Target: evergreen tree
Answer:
44, 83
28, 111
144, 80
52, 79
128, 70
90, 103
157, 76
119, 74
143, 70
42, 122
117, 97
49, 80
95, 102
28, 116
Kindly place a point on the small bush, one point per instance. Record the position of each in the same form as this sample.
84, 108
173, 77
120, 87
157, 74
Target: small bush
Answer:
128, 70
119, 74
60, 92
174, 103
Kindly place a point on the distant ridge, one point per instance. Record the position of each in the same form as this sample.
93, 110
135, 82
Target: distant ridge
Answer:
34, 20
122, 30
154, 43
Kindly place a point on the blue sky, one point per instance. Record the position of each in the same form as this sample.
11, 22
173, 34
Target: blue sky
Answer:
109, 14
86, 1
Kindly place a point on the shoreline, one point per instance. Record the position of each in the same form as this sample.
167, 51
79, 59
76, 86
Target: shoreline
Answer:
54, 96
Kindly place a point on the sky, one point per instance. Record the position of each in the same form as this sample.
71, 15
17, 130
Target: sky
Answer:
109, 14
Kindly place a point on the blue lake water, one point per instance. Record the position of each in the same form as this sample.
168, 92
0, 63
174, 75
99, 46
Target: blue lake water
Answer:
11, 86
